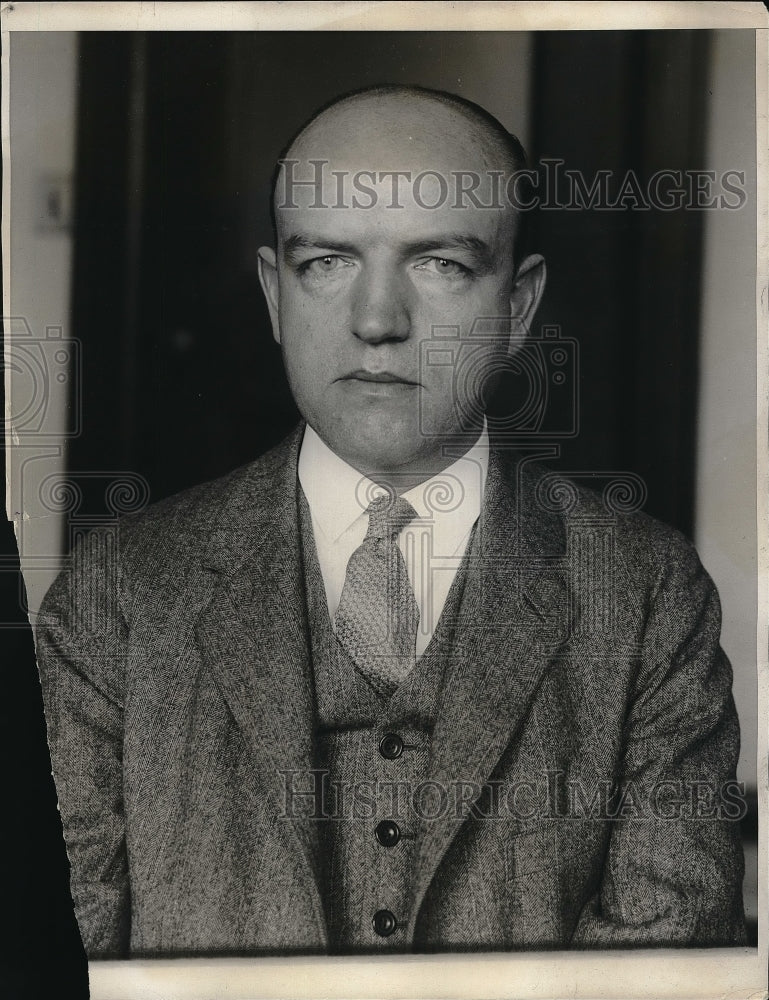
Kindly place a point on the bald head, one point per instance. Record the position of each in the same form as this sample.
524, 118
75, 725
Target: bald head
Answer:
503, 149
454, 150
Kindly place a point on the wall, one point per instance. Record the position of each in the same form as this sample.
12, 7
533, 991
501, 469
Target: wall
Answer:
42, 136
726, 447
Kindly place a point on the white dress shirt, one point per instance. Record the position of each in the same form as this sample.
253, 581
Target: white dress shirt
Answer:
433, 545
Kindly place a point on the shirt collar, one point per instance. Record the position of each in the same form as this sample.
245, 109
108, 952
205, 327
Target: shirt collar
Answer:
338, 494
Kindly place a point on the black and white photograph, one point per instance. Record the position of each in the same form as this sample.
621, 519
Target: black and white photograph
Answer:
385, 557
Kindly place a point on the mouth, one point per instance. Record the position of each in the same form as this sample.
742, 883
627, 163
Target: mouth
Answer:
380, 378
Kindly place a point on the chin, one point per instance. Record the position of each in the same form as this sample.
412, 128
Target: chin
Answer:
378, 445
384, 455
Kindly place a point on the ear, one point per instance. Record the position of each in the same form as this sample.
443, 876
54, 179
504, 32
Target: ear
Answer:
528, 286
268, 279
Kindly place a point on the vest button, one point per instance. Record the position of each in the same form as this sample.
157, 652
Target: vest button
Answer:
384, 923
388, 833
391, 746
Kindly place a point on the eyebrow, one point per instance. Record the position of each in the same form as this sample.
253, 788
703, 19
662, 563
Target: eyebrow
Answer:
479, 249
300, 241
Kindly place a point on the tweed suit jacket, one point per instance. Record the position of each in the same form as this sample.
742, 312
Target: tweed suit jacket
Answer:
585, 697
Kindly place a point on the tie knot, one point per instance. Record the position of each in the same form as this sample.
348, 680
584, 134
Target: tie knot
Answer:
388, 515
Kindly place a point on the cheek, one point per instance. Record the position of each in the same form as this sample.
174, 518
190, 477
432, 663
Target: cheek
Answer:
471, 330
463, 308
311, 317
304, 338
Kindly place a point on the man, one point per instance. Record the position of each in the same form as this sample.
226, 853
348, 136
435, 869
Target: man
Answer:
382, 690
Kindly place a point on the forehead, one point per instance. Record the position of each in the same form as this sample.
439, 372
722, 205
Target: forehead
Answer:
386, 166
419, 132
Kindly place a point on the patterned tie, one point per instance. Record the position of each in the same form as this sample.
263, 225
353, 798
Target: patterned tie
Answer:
378, 617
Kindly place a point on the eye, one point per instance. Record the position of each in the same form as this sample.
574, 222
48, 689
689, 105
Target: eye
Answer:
444, 266
326, 264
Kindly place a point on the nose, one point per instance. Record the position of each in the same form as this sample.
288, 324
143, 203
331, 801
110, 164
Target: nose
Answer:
380, 310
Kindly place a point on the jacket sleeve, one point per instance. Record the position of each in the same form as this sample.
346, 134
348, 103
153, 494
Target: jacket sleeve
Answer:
81, 647
674, 869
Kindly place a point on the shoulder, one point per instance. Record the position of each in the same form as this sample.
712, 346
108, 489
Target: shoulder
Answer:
177, 530
622, 566
606, 509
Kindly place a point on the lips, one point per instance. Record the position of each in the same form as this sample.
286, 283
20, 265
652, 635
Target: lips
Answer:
364, 375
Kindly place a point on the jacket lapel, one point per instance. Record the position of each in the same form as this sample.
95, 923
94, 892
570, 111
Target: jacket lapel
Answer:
514, 616
253, 637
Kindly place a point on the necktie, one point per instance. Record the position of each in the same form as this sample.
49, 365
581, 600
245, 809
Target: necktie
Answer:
377, 618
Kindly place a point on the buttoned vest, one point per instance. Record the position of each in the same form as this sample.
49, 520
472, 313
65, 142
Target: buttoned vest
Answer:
371, 759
